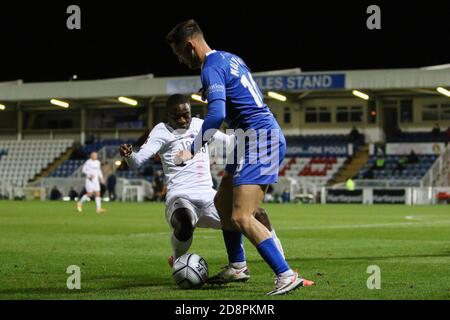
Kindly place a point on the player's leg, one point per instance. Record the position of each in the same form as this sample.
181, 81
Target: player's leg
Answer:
83, 199
246, 200
237, 266
182, 217
98, 202
223, 200
233, 239
182, 222
262, 216
236, 270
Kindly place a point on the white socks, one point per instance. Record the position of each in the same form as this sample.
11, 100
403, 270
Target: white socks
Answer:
277, 242
98, 203
287, 273
180, 247
239, 265
84, 198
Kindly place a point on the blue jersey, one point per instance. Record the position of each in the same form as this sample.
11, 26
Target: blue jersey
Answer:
225, 76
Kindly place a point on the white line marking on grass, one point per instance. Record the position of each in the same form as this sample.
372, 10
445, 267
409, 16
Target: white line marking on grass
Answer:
418, 218
373, 225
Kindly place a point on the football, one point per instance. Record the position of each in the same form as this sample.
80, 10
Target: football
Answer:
190, 271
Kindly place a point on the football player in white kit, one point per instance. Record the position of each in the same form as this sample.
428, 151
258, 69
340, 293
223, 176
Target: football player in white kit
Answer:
190, 196
93, 171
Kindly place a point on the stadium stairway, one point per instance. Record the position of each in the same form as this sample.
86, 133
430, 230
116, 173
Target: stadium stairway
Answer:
55, 164
352, 168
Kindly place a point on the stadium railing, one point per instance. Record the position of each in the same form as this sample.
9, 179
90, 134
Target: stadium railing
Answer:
438, 174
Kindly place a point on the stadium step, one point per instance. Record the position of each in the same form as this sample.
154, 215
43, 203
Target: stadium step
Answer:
55, 164
351, 169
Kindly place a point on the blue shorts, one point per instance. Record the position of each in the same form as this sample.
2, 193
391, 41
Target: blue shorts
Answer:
261, 162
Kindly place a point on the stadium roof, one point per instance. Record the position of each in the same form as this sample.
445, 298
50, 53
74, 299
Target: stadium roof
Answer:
292, 82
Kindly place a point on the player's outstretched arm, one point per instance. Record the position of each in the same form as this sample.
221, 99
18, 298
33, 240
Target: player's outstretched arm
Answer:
153, 143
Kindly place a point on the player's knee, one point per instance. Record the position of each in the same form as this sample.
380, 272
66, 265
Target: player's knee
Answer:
262, 216
241, 223
183, 227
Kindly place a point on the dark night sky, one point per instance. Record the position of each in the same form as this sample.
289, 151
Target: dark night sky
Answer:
127, 38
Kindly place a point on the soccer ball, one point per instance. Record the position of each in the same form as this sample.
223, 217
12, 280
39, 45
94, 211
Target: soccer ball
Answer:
190, 271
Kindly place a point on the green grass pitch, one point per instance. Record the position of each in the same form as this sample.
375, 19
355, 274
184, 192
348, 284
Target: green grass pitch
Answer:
123, 254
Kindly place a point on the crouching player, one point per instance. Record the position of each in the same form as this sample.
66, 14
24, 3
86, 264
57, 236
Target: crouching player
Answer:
190, 196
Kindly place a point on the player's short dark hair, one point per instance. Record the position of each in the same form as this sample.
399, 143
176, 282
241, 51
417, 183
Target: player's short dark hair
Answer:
183, 31
175, 100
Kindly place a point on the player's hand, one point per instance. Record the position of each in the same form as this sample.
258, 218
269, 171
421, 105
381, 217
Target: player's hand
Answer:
181, 157
126, 150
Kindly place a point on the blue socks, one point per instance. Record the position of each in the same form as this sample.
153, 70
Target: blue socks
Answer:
234, 245
267, 249
270, 253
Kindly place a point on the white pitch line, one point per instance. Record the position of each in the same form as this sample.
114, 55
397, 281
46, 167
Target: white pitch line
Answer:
373, 225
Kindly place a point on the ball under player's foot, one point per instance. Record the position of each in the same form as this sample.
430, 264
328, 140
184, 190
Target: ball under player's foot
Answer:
230, 274
79, 207
286, 284
101, 210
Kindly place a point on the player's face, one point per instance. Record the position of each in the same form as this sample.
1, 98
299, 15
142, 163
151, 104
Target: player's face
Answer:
94, 155
180, 116
186, 54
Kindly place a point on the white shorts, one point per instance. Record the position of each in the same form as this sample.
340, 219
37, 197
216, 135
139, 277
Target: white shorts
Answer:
204, 213
92, 185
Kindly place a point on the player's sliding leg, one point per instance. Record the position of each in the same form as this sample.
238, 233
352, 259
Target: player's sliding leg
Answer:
83, 199
246, 199
182, 222
98, 203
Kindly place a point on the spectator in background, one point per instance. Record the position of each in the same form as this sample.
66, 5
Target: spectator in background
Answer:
158, 186
436, 131
401, 163
286, 196
72, 194
379, 163
412, 157
350, 184
111, 186
354, 134
55, 194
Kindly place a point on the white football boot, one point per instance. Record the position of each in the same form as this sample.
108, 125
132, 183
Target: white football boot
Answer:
230, 274
286, 284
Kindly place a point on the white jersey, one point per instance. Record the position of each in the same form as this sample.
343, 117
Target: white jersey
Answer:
92, 170
195, 175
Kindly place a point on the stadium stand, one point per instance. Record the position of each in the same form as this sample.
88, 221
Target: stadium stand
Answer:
111, 147
67, 168
99, 144
312, 159
392, 171
21, 161
315, 170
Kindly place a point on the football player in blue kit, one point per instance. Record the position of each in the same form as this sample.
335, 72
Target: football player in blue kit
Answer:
234, 97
